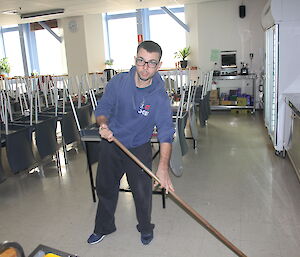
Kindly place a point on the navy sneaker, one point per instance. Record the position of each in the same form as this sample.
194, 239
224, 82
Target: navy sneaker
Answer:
146, 238
94, 238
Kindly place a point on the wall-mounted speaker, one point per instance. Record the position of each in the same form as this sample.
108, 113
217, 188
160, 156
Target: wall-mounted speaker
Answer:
242, 11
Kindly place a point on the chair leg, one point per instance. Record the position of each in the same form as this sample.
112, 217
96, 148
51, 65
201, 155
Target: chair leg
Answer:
93, 187
58, 163
41, 170
154, 156
157, 152
65, 151
163, 194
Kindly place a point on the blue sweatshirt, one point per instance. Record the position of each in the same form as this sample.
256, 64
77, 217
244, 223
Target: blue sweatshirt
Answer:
133, 112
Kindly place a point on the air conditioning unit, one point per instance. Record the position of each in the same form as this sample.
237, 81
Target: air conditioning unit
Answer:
41, 13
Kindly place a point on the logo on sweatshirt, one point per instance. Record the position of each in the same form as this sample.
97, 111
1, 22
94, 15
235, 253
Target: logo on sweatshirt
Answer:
144, 109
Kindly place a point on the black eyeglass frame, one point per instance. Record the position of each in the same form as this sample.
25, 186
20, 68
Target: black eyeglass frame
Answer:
153, 64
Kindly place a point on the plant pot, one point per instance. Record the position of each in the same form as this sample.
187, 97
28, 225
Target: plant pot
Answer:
183, 64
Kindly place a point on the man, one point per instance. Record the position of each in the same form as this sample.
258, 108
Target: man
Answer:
132, 105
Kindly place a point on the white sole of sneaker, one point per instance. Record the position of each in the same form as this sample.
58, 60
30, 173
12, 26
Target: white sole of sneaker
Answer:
98, 241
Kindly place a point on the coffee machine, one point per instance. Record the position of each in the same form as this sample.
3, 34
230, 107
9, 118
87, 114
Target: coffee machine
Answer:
244, 69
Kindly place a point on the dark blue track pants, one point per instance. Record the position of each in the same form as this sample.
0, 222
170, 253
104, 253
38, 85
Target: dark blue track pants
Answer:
113, 163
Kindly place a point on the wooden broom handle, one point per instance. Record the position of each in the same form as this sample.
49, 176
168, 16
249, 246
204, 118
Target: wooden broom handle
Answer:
182, 203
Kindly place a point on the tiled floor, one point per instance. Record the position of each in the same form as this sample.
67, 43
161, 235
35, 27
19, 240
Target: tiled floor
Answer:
234, 180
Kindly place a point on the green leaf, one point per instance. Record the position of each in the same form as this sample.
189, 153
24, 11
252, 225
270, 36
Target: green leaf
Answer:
183, 53
4, 65
109, 62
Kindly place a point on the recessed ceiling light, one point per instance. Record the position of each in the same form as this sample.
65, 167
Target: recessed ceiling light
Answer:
12, 11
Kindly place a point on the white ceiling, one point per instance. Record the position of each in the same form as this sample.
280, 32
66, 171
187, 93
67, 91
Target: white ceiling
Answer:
77, 7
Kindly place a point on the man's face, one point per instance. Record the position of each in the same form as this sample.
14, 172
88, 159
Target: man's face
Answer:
147, 64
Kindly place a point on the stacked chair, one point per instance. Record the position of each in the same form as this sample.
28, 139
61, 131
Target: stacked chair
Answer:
16, 136
33, 109
83, 119
30, 110
182, 93
202, 98
21, 128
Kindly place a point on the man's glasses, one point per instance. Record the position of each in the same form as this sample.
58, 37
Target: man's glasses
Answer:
141, 62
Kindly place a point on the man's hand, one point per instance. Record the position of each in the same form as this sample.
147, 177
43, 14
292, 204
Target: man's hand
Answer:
163, 167
106, 133
165, 180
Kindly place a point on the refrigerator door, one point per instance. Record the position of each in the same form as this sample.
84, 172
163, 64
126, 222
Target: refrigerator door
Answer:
271, 88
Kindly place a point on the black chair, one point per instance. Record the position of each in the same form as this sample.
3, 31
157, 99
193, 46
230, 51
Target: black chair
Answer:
180, 121
68, 125
202, 106
45, 135
15, 106
19, 148
2, 174
84, 114
69, 129
181, 126
46, 140
91, 149
206, 106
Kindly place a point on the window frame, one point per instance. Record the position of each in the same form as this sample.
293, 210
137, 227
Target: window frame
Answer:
145, 17
15, 28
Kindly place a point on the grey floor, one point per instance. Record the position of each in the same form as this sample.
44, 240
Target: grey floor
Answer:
234, 180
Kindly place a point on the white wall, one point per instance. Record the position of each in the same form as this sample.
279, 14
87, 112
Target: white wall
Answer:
75, 46
289, 56
84, 45
191, 19
219, 27
94, 42
285, 10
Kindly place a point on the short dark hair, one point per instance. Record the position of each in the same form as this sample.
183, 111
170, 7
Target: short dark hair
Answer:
151, 47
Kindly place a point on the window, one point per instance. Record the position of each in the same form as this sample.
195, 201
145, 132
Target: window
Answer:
50, 53
169, 35
123, 41
12, 50
122, 35
44, 53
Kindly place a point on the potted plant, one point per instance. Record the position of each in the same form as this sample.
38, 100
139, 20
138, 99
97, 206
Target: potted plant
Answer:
183, 54
4, 66
109, 62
